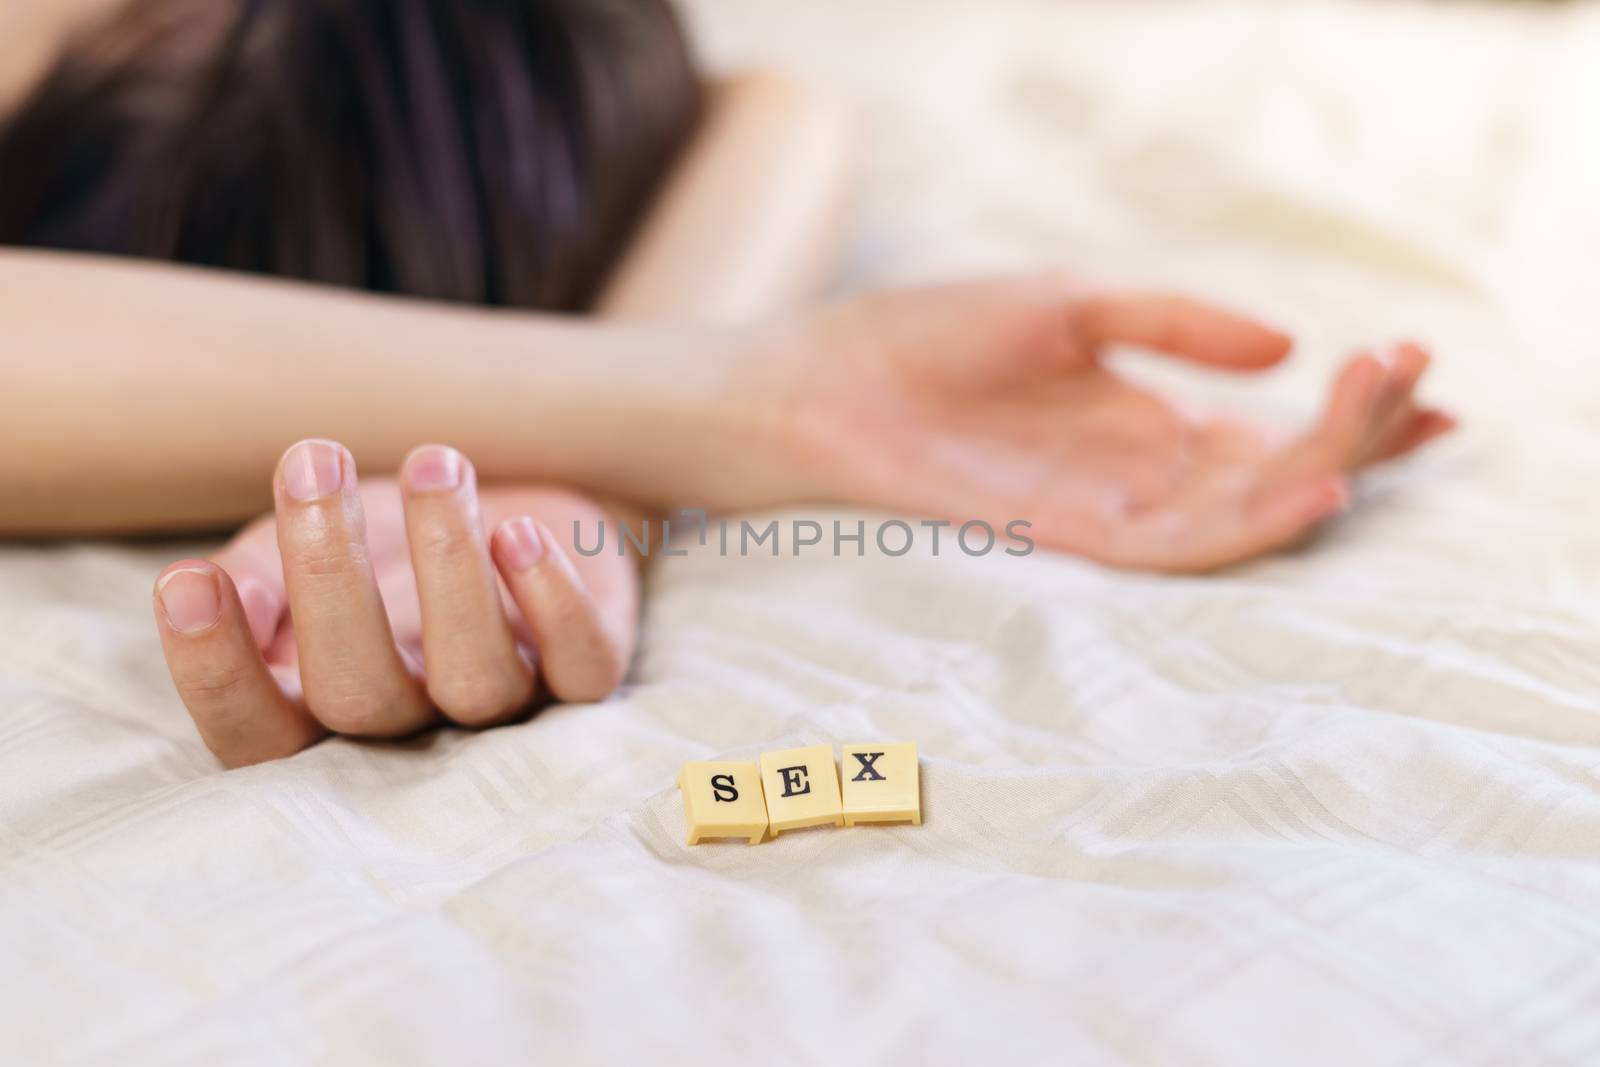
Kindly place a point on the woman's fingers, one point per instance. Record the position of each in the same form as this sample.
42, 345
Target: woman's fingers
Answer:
476, 675
354, 678
1216, 524
1425, 425
583, 653
251, 560
1347, 421
238, 706
1181, 327
301, 588
1334, 445
1398, 426
1371, 415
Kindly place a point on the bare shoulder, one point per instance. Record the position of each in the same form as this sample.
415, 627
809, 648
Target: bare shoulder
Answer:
31, 31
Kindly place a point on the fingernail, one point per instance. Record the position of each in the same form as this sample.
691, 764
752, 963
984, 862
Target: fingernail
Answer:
433, 469
519, 544
191, 600
313, 469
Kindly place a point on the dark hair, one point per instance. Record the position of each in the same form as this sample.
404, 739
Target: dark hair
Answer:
489, 151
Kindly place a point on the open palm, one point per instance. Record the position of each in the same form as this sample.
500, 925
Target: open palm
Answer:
990, 401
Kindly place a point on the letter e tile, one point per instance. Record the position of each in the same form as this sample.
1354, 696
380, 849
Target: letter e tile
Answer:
802, 788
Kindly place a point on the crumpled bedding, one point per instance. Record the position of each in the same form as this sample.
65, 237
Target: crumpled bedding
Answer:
1338, 806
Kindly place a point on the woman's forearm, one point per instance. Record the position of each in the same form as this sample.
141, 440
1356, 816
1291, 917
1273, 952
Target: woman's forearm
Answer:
151, 397
144, 396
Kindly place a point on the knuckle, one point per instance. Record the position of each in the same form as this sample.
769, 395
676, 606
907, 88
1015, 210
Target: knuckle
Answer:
480, 698
357, 710
215, 685
326, 561
314, 549
444, 544
595, 680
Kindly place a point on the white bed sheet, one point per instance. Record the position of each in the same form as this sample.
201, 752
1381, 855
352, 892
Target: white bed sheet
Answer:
1342, 806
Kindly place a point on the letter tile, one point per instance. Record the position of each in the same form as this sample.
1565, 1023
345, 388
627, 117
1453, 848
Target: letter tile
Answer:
723, 799
881, 784
802, 788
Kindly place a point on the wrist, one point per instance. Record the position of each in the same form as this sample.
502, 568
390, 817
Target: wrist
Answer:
733, 435
663, 416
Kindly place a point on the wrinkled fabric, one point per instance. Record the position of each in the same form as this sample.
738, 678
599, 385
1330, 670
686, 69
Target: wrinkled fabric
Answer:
1339, 806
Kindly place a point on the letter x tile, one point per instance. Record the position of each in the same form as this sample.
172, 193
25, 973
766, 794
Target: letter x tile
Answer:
802, 788
723, 800
881, 784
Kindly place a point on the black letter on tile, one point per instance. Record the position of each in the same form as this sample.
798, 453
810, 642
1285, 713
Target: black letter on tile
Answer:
722, 785
793, 777
868, 772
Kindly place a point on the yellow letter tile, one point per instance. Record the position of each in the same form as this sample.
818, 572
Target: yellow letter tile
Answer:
802, 787
723, 800
881, 784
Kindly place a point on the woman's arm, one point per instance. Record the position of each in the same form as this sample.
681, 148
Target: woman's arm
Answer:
150, 397
144, 396
749, 223
31, 31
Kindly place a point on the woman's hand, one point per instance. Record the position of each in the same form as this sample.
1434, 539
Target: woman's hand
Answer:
990, 401
376, 611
